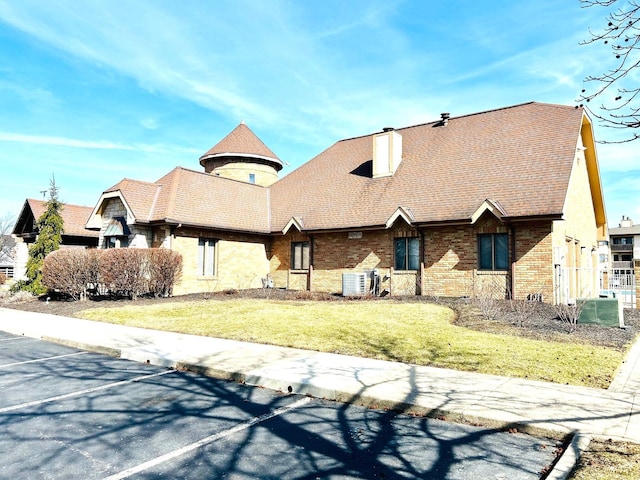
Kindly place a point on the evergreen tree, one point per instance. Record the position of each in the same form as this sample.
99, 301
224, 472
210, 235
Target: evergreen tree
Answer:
49, 227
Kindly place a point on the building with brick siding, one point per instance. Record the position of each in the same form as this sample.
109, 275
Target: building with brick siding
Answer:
501, 203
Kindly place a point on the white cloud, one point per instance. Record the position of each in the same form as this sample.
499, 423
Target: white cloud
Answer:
89, 144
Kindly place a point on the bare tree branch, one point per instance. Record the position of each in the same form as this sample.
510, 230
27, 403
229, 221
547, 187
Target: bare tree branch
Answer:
622, 35
6, 242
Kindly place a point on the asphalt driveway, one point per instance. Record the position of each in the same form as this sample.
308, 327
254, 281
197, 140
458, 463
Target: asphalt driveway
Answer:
69, 414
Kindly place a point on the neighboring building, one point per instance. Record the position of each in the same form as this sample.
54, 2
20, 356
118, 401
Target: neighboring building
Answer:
504, 202
624, 248
624, 242
74, 234
7, 256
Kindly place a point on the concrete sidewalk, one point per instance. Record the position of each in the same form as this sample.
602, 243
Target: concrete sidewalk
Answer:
530, 406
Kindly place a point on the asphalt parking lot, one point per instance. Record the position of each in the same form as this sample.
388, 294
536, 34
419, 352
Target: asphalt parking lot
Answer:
69, 414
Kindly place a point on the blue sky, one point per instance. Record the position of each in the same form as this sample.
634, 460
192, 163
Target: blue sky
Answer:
96, 91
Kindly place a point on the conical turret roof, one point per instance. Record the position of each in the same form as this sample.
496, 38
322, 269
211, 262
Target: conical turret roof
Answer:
242, 142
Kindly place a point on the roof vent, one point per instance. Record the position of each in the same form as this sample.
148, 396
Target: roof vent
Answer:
388, 129
445, 118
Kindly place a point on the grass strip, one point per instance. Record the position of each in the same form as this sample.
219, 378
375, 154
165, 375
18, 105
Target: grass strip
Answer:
415, 333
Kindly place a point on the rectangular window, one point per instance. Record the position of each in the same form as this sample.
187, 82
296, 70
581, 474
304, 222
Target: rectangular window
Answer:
252, 178
206, 257
493, 251
406, 253
8, 271
116, 242
299, 255
623, 240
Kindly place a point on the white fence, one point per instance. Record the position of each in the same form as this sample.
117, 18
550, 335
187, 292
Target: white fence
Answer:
572, 283
620, 285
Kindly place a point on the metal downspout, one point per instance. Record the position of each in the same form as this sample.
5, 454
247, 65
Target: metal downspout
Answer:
421, 270
513, 261
311, 249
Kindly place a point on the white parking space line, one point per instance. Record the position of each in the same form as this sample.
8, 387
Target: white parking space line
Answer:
207, 440
7, 365
13, 339
82, 392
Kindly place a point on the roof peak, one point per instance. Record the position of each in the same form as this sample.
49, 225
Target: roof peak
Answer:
472, 114
242, 142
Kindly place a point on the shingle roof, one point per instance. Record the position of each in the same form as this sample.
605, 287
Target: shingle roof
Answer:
139, 196
74, 217
519, 157
198, 199
242, 142
633, 230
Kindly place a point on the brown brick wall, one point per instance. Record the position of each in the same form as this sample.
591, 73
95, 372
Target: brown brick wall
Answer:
450, 261
332, 254
534, 261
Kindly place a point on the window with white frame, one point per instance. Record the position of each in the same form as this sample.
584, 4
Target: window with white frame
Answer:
206, 257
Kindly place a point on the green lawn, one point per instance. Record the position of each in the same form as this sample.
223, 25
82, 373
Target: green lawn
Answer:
416, 333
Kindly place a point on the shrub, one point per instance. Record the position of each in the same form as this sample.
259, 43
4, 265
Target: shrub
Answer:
165, 269
20, 285
570, 313
70, 271
128, 271
3, 278
19, 296
124, 271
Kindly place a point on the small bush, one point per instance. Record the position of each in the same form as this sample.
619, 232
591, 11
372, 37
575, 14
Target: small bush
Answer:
70, 271
569, 314
19, 286
19, 297
165, 269
125, 271
3, 278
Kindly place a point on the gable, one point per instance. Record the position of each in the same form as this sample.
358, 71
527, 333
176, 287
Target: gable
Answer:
73, 216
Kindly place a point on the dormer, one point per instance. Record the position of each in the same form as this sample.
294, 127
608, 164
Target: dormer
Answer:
387, 152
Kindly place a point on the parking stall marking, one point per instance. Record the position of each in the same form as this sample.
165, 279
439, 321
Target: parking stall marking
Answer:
22, 339
7, 365
207, 440
83, 392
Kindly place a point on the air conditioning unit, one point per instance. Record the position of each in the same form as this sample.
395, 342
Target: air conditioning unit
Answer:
354, 284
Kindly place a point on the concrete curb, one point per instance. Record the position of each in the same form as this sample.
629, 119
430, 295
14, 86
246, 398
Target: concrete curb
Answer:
563, 468
316, 391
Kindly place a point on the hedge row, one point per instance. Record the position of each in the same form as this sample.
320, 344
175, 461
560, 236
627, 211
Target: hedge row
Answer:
122, 271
